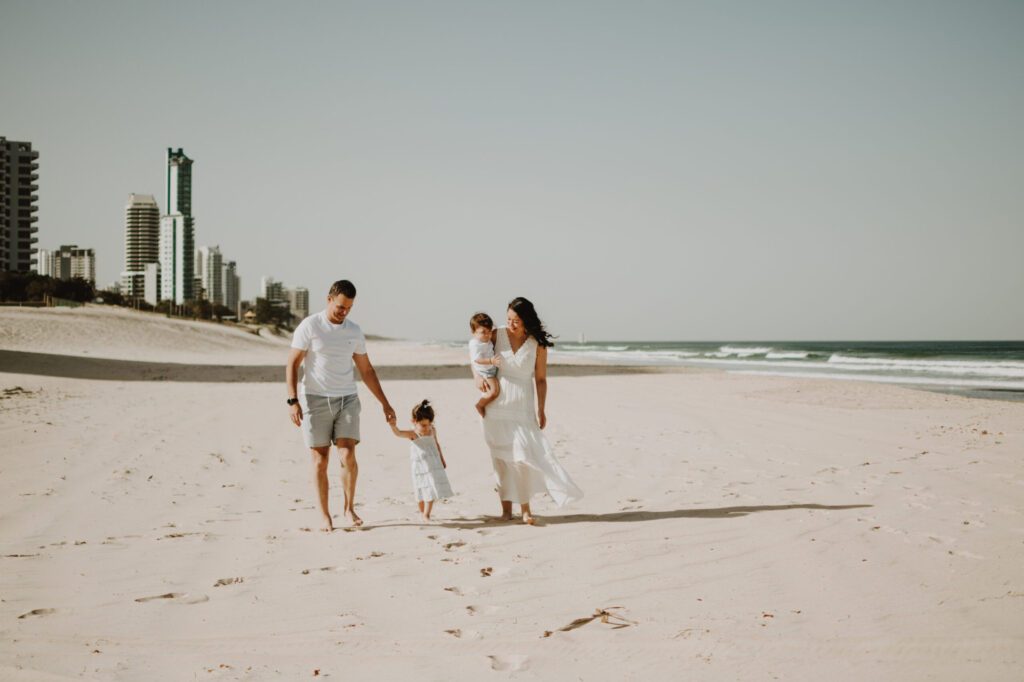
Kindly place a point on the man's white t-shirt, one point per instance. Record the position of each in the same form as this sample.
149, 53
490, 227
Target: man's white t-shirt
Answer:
328, 368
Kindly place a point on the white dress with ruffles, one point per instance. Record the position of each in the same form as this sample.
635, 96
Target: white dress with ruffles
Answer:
429, 479
524, 462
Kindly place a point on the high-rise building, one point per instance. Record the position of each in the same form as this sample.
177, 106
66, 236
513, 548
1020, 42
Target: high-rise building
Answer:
272, 290
69, 262
177, 257
151, 284
18, 175
210, 271
44, 263
231, 284
298, 302
141, 242
177, 232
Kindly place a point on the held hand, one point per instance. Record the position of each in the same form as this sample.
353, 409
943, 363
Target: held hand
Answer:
392, 420
296, 414
389, 413
542, 420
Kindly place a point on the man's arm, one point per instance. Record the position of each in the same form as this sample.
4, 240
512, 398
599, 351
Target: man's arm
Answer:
369, 375
291, 380
393, 422
540, 376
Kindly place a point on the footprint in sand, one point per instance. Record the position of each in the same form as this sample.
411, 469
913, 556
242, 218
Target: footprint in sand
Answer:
168, 595
454, 545
179, 597
228, 581
514, 663
371, 555
38, 612
307, 571
350, 620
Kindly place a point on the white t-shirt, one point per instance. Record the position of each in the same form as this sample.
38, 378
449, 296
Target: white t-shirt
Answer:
328, 367
480, 351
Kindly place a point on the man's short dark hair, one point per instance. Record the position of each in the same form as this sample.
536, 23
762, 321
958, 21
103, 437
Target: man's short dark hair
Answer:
343, 287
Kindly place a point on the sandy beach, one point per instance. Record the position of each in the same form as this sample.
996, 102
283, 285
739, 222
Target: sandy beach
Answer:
158, 523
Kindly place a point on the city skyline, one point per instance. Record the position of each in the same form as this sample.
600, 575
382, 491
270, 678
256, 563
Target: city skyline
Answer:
670, 171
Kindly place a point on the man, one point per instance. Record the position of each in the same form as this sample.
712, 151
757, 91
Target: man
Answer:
327, 408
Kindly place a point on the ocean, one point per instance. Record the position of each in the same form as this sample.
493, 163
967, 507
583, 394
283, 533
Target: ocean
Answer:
991, 369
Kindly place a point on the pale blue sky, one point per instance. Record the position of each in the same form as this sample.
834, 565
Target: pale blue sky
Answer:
641, 170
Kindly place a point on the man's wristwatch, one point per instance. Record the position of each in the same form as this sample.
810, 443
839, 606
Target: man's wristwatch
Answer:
293, 401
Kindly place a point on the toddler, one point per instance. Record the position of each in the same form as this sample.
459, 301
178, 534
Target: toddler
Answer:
485, 362
429, 480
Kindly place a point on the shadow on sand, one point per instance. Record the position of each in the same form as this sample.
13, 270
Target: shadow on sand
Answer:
625, 517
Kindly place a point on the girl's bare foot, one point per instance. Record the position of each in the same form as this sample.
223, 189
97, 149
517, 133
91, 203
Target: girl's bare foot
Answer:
425, 517
528, 519
481, 409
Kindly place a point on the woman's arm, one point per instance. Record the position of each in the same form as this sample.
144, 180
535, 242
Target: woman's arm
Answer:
540, 378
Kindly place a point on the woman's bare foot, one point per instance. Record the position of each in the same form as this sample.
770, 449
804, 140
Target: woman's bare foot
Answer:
328, 525
353, 518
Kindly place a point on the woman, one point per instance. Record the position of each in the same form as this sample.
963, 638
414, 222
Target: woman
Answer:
524, 464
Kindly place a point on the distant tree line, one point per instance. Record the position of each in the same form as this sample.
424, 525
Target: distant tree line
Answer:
198, 310
268, 313
28, 287
24, 287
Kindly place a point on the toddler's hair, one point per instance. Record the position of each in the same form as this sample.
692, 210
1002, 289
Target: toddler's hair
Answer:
423, 411
480, 320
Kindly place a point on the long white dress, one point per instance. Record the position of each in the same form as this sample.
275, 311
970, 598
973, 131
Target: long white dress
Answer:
524, 462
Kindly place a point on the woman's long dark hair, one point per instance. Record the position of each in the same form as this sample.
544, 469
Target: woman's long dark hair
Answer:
534, 327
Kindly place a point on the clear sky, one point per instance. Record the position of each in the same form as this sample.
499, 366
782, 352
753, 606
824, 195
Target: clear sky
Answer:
641, 170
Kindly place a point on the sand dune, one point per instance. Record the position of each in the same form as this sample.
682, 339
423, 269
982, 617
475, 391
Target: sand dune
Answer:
734, 527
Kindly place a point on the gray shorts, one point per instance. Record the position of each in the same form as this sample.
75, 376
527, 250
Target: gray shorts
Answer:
325, 420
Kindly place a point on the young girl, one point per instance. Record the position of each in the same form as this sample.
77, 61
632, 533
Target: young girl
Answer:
429, 480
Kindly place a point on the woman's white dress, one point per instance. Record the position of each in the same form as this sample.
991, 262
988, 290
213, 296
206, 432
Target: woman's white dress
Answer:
429, 479
524, 463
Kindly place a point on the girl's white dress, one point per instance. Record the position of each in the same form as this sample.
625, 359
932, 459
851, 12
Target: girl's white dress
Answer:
524, 462
429, 479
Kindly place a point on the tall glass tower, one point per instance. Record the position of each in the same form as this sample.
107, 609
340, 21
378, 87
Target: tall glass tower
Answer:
177, 232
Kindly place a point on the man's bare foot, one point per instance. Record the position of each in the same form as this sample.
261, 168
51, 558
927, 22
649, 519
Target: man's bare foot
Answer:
328, 525
481, 409
353, 519
528, 519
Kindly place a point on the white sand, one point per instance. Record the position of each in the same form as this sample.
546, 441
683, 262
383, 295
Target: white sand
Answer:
746, 527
